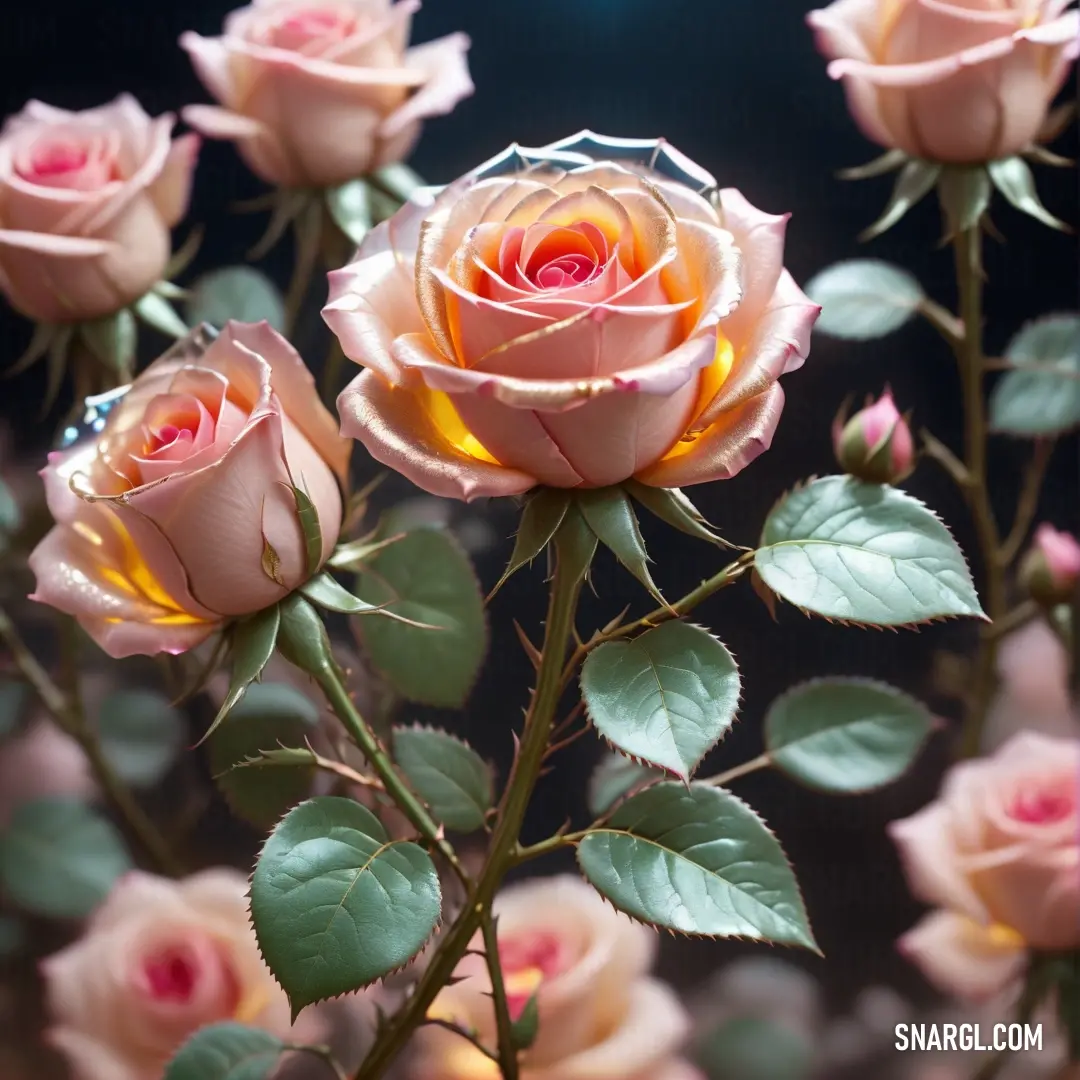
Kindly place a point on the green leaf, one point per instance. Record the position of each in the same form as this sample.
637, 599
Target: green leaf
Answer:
226, 1052
615, 777
845, 735
610, 515
447, 774
1042, 395
696, 860
863, 553
748, 1048
863, 299
1014, 179
112, 340
13, 937
915, 180
674, 508
252, 645
141, 734
350, 207
964, 192
337, 904
666, 697
59, 858
425, 577
575, 544
235, 292
269, 715
156, 311
540, 520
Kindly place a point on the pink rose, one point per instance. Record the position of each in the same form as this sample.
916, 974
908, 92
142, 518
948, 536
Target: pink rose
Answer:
601, 1018
179, 515
570, 316
875, 444
157, 961
999, 851
961, 81
41, 762
317, 92
86, 203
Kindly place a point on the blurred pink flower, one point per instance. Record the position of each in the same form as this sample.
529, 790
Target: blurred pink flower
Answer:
1051, 569
41, 762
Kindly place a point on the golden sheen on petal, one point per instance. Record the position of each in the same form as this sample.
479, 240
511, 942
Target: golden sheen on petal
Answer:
712, 378
445, 417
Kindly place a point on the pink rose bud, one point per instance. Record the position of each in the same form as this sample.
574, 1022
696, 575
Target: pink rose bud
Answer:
1051, 568
875, 444
87, 200
319, 92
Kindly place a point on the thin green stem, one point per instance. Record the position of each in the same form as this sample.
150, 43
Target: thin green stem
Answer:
967, 248
546, 847
565, 589
67, 712
1027, 505
762, 761
307, 234
337, 693
324, 1054
508, 1058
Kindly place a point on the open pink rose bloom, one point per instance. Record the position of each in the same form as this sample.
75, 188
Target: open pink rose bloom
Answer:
572, 316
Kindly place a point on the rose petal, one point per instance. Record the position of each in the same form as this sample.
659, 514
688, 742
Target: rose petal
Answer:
171, 191
396, 427
257, 143
961, 957
446, 81
64, 247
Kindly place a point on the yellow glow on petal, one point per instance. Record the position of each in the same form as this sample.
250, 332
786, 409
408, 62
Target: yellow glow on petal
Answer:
1005, 937
465, 1062
445, 417
523, 982
712, 378
252, 1005
890, 12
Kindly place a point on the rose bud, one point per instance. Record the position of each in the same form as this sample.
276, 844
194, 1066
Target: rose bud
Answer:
180, 515
316, 93
571, 316
1051, 568
961, 81
875, 445
998, 853
157, 961
600, 1016
87, 200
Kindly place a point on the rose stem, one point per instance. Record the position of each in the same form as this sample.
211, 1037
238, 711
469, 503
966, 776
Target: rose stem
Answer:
67, 711
508, 1058
967, 248
563, 597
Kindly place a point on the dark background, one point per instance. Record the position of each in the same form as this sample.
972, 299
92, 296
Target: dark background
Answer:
737, 86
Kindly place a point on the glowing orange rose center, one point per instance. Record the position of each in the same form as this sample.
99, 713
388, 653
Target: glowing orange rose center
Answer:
526, 963
1042, 807
300, 29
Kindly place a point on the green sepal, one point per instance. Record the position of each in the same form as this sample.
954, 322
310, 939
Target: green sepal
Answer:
355, 554
964, 192
156, 311
326, 591
112, 340
184, 255
575, 545
308, 516
610, 515
40, 341
523, 1030
672, 506
540, 520
915, 180
251, 646
1014, 179
398, 181
888, 162
350, 208
302, 638
56, 366
286, 206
